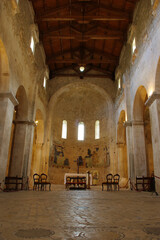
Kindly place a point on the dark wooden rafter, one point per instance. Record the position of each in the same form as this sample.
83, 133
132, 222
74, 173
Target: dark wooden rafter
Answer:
53, 33
86, 38
51, 14
78, 18
83, 61
81, 75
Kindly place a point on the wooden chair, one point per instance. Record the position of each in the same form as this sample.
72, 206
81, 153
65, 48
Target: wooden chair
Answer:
115, 183
44, 182
36, 181
109, 182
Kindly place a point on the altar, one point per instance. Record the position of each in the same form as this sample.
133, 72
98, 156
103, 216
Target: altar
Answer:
78, 175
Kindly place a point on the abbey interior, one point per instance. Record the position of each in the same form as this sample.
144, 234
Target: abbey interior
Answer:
79, 96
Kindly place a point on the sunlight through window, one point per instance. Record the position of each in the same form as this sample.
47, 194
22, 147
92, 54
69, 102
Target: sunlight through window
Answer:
97, 129
64, 129
81, 131
32, 45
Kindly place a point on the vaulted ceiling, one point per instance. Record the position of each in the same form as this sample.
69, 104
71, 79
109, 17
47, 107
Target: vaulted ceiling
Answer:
83, 32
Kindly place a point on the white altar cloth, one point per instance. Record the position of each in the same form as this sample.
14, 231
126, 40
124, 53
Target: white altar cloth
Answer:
78, 175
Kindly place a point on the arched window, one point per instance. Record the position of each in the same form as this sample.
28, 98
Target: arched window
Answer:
119, 83
80, 131
97, 129
133, 45
44, 82
64, 129
32, 44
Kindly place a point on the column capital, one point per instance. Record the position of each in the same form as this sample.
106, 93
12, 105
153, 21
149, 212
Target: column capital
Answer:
155, 95
127, 124
138, 123
27, 122
10, 96
120, 144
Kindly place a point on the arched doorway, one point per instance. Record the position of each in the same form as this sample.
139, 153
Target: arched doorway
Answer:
17, 162
143, 153
122, 148
38, 160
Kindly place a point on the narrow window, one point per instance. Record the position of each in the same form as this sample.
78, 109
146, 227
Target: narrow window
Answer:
119, 83
97, 129
81, 131
32, 45
133, 45
64, 129
44, 82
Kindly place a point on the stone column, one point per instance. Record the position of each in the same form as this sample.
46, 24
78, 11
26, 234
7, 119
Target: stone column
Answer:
28, 148
7, 104
128, 125
21, 148
154, 107
139, 147
121, 157
130, 154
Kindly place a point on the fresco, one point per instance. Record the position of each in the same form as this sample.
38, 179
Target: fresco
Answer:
66, 156
57, 157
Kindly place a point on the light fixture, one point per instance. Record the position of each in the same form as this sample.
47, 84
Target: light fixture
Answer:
81, 68
36, 122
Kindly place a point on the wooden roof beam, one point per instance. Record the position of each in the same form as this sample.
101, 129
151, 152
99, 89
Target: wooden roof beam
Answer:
90, 51
85, 75
80, 61
50, 13
85, 38
101, 53
80, 20
92, 29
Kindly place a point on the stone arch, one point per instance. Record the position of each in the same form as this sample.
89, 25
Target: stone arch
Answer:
142, 134
4, 69
66, 88
122, 148
38, 159
72, 123
18, 162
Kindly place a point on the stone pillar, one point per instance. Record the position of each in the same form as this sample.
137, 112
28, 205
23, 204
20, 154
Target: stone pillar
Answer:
21, 148
28, 148
121, 157
139, 147
154, 107
7, 104
128, 125
130, 154
39, 159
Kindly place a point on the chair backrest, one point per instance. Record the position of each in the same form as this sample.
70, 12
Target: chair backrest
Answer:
109, 178
116, 178
43, 177
36, 178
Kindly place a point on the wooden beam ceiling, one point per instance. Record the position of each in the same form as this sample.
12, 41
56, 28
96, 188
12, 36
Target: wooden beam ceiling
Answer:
88, 32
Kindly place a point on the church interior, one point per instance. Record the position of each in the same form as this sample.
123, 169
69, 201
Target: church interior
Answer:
80, 99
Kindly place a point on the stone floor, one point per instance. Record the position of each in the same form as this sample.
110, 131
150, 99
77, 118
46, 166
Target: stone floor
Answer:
71, 215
